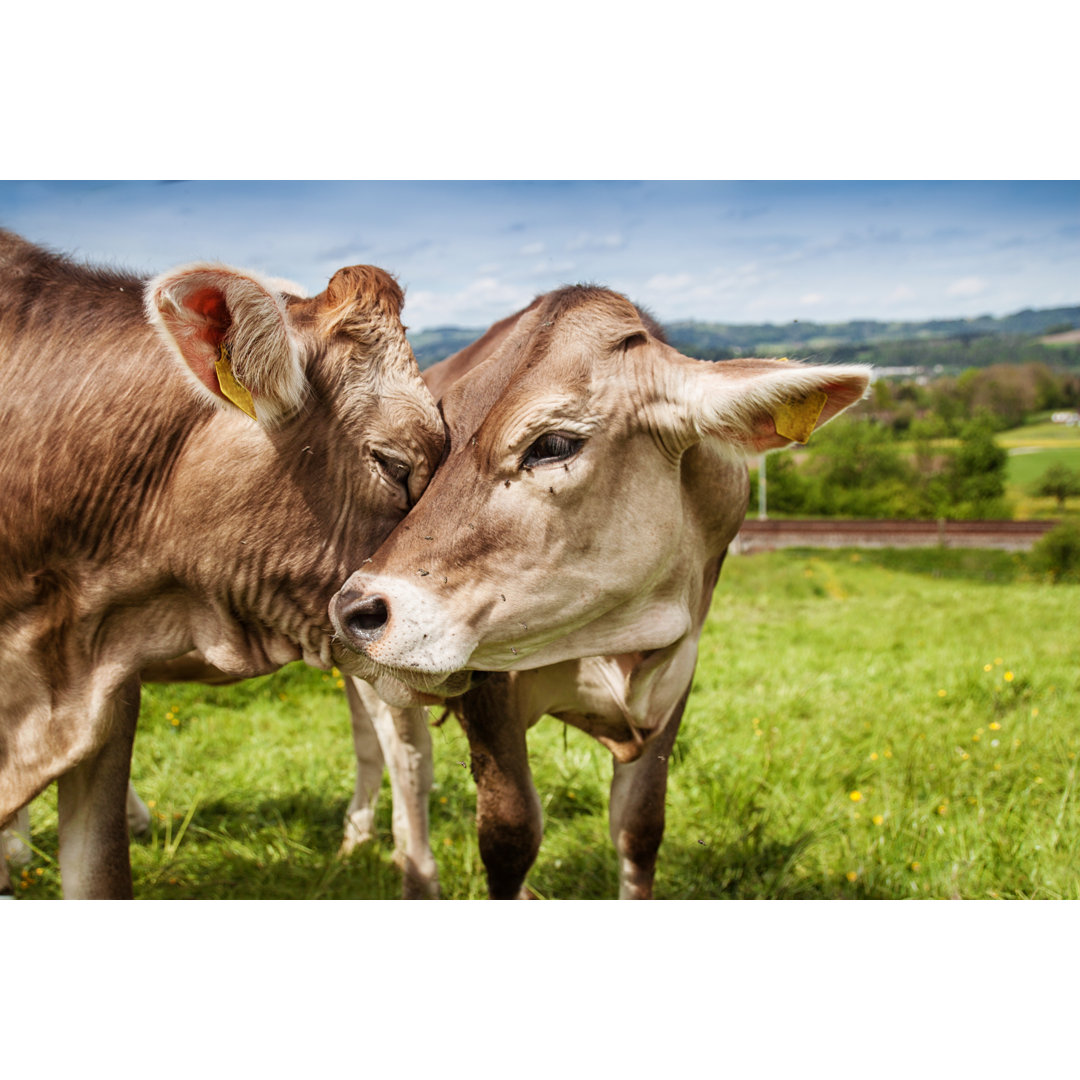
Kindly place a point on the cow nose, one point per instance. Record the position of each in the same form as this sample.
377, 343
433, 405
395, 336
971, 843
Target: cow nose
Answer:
364, 618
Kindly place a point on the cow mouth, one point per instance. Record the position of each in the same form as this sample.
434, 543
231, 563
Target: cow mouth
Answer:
404, 687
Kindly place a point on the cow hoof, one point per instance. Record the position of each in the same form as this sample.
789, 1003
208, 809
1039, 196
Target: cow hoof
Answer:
419, 881
414, 887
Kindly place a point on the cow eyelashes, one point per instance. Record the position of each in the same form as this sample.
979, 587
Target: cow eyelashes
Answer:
397, 472
553, 447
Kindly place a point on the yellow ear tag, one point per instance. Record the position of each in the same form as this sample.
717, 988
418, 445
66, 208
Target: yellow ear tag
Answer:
231, 387
796, 419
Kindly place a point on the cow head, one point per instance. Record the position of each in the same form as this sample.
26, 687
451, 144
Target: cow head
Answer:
593, 471
334, 371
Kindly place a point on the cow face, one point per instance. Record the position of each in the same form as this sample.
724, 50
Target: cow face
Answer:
334, 371
592, 473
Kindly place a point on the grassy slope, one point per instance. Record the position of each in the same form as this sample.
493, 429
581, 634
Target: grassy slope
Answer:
821, 675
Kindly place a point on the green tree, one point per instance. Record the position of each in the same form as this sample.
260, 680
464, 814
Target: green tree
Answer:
976, 473
1059, 481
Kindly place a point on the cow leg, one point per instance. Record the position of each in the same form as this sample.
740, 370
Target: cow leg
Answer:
638, 792
14, 840
509, 821
406, 747
14, 849
138, 813
94, 858
360, 815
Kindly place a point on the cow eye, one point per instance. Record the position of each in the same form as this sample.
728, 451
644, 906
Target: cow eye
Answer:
397, 472
555, 446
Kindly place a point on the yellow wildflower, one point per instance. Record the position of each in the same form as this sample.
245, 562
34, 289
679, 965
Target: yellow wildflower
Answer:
1035, 711
915, 867
988, 667
1008, 676
878, 819
873, 757
851, 875
995, 726
855, 796
941, 693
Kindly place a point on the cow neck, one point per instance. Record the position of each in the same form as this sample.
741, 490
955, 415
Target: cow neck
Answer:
267, 547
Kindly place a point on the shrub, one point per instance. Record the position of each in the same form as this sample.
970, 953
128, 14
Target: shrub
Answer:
1057, 554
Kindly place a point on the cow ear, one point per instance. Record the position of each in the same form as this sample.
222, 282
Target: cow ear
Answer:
231, 330
758, 405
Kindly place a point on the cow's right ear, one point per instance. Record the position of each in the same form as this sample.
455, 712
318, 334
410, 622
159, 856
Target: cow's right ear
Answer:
231, 330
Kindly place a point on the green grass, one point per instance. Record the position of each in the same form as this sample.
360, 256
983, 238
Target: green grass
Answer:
1024, 470
941, 687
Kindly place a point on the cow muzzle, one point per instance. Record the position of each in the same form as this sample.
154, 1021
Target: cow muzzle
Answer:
404, 629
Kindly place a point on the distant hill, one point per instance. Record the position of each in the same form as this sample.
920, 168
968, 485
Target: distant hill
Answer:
437, 344
708, 340
703, 337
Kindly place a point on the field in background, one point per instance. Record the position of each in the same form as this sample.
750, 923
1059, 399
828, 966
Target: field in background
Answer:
1033, 448
877, 724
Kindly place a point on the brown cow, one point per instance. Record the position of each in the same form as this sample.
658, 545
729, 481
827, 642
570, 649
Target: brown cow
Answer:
143, 515
571, 541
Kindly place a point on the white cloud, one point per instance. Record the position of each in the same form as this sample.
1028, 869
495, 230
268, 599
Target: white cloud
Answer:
482, 301
901, 293
668, 282
536, 248
810, 299
967, 286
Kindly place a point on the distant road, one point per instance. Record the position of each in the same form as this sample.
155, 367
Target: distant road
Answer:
1003, 535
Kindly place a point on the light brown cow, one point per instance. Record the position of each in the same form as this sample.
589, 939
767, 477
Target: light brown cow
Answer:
143, 515
571, 541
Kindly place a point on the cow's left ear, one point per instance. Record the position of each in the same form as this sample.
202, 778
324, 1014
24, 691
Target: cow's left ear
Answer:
231, 330
758, 405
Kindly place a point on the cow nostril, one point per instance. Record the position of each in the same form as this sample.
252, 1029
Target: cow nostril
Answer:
366, 618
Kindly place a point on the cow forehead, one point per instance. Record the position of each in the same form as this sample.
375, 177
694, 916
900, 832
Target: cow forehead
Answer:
556, 355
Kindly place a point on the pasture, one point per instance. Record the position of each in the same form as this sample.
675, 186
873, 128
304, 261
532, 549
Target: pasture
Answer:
1033, 448
863, 725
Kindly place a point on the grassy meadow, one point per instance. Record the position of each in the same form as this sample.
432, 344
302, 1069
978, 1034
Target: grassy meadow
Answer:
863, 725
1033, 448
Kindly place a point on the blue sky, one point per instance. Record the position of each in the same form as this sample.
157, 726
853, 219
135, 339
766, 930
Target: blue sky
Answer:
469, 252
